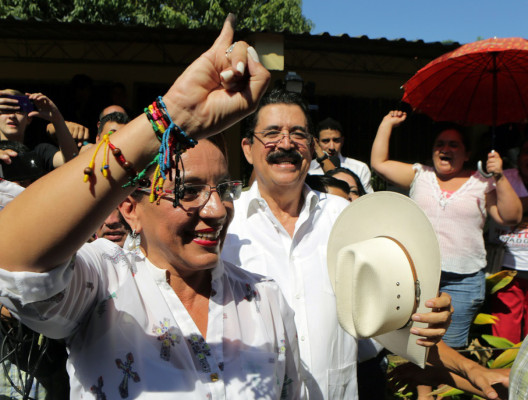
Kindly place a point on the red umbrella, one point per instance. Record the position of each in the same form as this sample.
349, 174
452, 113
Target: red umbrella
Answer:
484, 82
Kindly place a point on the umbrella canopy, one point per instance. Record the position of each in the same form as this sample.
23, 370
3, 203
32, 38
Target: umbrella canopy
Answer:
484, 82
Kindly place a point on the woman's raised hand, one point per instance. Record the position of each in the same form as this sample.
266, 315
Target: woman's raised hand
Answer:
394, 118
218, 89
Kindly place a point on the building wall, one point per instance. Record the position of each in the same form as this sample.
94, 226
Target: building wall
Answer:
355, 80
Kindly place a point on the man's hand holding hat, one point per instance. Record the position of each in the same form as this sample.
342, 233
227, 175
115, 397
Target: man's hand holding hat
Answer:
438, 319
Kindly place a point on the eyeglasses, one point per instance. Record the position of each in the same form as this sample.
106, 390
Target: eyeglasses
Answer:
273, 137
197, 195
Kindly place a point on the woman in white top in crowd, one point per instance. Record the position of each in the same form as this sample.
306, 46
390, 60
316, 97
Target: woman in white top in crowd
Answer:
168, 319
457, 201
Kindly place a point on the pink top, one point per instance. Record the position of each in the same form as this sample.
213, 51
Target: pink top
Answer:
458, 218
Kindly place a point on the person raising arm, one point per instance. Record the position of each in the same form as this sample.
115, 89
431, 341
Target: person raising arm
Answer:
212, 93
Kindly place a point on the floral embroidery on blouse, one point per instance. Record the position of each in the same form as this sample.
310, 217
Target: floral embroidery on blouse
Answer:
101, 308
126, 367
201, 350
118, 257
282, 349
168, 336
98, 389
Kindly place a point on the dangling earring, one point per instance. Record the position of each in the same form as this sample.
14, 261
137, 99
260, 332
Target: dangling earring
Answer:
133, 240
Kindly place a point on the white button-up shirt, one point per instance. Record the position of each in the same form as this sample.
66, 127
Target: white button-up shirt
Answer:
130, 336
259, 243
358, 167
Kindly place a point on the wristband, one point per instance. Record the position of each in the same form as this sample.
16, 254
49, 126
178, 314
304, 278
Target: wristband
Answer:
325, 156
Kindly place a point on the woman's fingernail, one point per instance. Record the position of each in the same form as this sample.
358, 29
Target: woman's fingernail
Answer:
416, 317
240, 67
414, 331
429, 304
227, 75
253, 54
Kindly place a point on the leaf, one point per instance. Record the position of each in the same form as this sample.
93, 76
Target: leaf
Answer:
484, 319
499, 280
493, 279
446, 391
498, 342
505, 360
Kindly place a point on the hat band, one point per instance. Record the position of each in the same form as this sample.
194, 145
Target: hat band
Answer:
417, 290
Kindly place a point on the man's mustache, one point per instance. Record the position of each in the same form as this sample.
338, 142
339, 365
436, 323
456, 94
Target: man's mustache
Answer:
279, 154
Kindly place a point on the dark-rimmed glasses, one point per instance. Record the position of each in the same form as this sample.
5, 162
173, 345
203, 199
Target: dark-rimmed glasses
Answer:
273, 137
197, 195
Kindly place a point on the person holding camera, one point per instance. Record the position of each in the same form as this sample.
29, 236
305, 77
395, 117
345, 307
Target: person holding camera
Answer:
16, 113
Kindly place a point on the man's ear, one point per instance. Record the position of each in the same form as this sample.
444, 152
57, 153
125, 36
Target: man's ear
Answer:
129, 210
246, 148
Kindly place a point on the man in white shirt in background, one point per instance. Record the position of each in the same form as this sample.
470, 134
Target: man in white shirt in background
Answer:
281, 229
329, 134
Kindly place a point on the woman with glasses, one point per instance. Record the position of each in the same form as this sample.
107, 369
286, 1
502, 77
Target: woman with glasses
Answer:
169, 319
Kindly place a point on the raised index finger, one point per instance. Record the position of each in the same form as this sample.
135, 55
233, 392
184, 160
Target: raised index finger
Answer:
224, 40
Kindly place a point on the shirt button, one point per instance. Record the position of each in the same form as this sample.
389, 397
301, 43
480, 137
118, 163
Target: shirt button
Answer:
214, 377
298, 296
302, 338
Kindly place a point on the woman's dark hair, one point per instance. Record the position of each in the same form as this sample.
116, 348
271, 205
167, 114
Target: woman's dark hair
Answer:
440, 127
321, 183
361, 189
117, 117
218, 140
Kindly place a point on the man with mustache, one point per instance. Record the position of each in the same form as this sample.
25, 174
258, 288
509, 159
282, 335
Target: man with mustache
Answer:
281, 229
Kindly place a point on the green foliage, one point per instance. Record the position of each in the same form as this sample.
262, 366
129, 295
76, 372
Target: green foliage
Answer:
498, 342
485, 319
499, 280
505, 359
272, 15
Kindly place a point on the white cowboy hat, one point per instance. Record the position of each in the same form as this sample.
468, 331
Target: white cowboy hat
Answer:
384, 264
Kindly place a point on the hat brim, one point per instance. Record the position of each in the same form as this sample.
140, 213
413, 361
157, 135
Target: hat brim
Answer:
397, 216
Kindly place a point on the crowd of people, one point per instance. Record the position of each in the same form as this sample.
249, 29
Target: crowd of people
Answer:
161, 277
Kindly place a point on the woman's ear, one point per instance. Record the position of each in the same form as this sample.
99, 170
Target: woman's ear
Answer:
128, 209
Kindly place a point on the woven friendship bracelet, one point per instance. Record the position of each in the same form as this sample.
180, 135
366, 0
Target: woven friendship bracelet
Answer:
174, 140
120, 158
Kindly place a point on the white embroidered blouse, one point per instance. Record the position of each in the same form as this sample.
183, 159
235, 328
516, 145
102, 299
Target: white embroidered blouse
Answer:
458, 218
129, 335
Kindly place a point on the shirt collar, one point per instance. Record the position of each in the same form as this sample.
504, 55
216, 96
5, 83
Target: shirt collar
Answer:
255, 199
